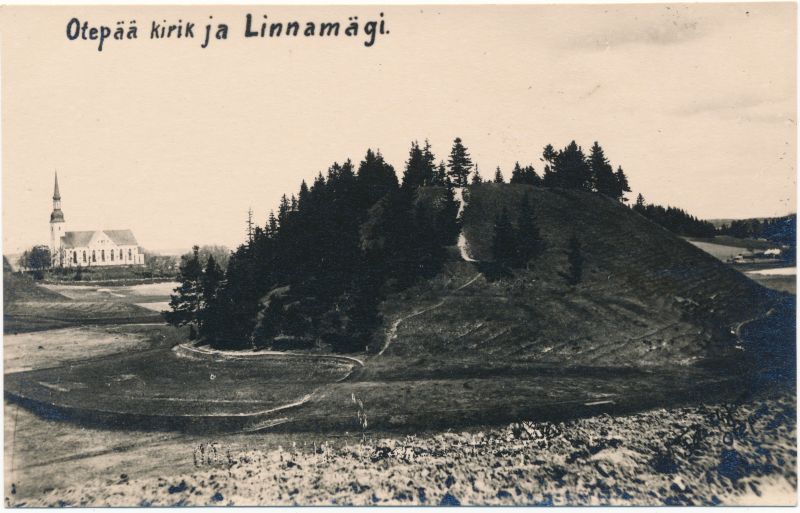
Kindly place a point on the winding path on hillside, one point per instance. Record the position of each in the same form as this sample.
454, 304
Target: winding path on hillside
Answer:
392, 333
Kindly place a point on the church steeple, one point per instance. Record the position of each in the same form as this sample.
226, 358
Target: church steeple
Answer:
57, 216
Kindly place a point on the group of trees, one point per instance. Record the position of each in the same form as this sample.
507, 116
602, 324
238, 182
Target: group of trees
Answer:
780, 230
36, 259
674, 219
198, 289
571, 168
316, 272
515, 245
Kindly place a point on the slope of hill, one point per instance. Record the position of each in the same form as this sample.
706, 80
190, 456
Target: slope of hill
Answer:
20, 287
647, 297
30, 307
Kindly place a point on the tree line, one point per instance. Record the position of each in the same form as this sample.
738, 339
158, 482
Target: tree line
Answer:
674, 219
780, 230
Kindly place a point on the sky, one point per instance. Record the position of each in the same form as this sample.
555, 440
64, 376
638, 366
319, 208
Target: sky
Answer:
696, 102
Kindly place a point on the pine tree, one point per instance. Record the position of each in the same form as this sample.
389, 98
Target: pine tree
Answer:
504, 242
272, 225
603, 178
283, 211
516, 174
440, 177
498, 176
429, 165
476, 177
622, 184
571, 169
416, 173
528, 241
250, 225
302, 196
525, 175
459, 164
375, 178
640, 205
549, 157
187, 300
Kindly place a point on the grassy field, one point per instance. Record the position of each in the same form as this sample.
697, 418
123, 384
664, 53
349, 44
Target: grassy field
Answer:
159, 383
28, 306
52, 348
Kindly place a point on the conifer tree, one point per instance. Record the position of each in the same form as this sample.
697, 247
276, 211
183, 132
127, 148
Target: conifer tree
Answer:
302, 196
640, 204
459, 164
187, 300
476, 176
525, 175
571, 169
516, 174
272, 225
429, 164
416, 173
549, 158
622, 184
603, 178
440, 177
498, 176
283, 210
250, 225
210, 282
375, 178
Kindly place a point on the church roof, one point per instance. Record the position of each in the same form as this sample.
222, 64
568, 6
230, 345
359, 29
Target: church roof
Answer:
76, 239
82, 238
122, 237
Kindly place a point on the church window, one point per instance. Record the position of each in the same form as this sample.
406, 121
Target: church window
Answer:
102, 255
120, 254
84, 255
130, 254
112, 255
74, 257
94, 256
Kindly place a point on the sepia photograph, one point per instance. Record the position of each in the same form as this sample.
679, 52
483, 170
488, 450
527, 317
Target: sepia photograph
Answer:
399, 255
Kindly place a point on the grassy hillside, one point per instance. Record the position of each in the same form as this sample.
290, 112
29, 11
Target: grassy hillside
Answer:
647, 298
21, 287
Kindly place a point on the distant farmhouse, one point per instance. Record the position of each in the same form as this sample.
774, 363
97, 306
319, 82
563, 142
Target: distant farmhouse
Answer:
89, 248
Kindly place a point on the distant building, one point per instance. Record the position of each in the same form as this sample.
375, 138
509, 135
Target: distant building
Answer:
89, 248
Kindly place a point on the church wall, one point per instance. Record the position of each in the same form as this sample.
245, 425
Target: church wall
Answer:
100, 255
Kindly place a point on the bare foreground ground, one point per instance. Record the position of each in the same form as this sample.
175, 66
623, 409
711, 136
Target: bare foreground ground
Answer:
716, 454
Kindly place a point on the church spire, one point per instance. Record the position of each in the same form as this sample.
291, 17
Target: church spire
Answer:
56, 194
57, 216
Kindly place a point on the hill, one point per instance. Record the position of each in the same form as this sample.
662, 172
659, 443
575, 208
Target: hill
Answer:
647, 297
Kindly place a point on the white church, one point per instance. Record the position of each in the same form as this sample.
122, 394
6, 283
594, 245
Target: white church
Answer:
89, 248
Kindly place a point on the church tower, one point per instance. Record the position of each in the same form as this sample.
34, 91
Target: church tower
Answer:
56, 226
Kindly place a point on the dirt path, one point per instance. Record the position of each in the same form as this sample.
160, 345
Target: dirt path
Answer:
463, 245
392, 333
